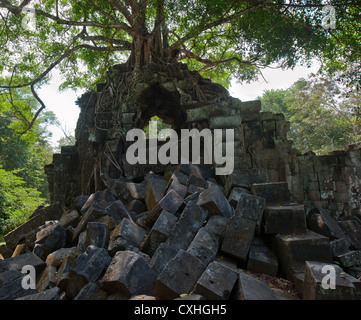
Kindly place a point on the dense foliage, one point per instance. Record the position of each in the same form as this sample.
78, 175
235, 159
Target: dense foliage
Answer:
324, 115
23, 154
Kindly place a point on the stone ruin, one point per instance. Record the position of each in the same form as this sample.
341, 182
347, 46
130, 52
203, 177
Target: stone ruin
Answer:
115, 231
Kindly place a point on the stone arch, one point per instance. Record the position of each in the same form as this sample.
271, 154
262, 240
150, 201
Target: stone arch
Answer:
156, 100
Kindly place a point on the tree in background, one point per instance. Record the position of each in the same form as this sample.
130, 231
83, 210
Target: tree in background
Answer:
220, 38
321, 112
24, 150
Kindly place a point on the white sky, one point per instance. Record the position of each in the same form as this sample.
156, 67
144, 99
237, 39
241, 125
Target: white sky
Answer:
67, 112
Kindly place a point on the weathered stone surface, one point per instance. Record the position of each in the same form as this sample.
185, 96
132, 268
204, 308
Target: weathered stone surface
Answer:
238, 238
5, 251
192, 198
352, 229
250, 288
190, 221
216, 282
214, 201
56, 240
118, 211
63, 272
202, 171
129, 274
293, 250
180, 177
92, 199
339, 246
262, 260
217, 225
286, 219
235, 195
160, 258
97, 234
171, 202
91, 291
159, 232
126, 234
178, 187
70, 218
226, 122
18, 262
154, 191
86, 268
47, 279
196, 181
44, 233
52, 212
273, 192
10, 285
47, 295
179, 276
203, 113
251, 208
350, 259
313, 288
204, 246
137, 206
322, 222
79, 202
96, 210
238, 178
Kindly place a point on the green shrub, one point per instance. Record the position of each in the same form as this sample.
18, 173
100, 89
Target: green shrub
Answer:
16, 201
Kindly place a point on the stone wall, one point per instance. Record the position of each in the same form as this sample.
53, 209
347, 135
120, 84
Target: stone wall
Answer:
98, 159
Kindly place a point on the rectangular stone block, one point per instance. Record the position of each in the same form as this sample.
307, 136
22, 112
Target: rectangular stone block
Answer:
251, 207
313, 288
18, 262
203, 113
10, 285
250, 288
350, 259
159, 232
217, 225
180, 177
339, 246
235, 195
214, 201
86, 268
171, 202
126, 234
225, 122
48, 279
286, 219
294, 250
56, 240
97, 234
273, 192
262, 260
216, 282
238, 178
179, 276
238, 238
204, 246
178, 187
129, 274
63, 272
352, 229
154, 191
188, 224
161, 257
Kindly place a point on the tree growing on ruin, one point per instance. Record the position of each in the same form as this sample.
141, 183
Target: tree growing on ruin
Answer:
219, 38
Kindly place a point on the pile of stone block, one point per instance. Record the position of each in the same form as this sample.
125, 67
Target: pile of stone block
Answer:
179, 234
